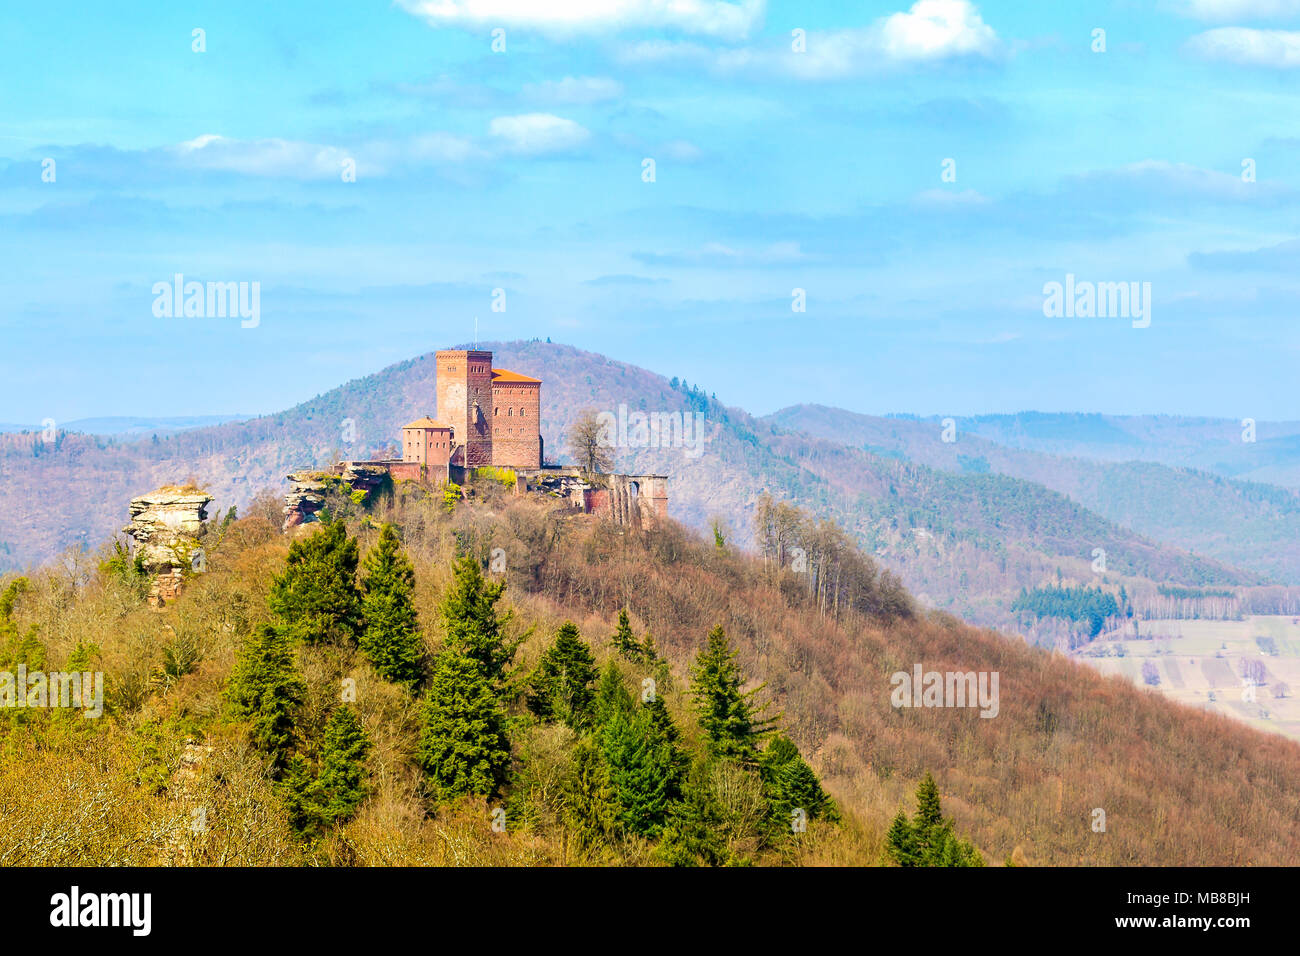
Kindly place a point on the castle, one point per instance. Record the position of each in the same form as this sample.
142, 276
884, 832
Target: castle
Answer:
486, 417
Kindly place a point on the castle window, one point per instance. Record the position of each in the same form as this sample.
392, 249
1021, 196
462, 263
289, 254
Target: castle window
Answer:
496, 411
521, 413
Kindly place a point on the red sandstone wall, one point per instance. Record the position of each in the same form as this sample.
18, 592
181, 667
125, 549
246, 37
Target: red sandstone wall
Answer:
516, 424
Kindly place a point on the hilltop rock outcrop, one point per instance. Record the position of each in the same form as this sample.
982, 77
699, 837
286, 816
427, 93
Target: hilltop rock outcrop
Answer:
165, 525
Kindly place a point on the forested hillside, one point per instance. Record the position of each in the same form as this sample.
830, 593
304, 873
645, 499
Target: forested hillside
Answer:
371, 692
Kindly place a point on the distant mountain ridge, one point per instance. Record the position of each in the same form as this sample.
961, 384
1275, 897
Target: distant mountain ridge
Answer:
1208, 444
1246, 524
130, 425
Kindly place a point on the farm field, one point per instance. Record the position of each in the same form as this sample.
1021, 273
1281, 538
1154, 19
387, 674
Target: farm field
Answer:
1213, 664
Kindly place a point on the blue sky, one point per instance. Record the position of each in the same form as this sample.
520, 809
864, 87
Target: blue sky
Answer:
775, 169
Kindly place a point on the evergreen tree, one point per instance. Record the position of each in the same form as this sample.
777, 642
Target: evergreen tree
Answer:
266, 689
463, 747
474, 629
726, 713
639, 772
301, 792
317, 595
343, 766
792, 785
611, 695
901, 842
929, 840
624, 640
562, 682
692, 835
591, 812
664, 735
391, 637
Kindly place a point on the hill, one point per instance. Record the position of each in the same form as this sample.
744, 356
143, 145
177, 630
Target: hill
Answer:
968, 543
1174, 786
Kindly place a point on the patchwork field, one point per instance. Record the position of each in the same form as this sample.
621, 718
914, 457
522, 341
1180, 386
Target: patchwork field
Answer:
1249, 669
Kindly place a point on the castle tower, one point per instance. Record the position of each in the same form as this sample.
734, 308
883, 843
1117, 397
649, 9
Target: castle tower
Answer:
465, 403
516, 420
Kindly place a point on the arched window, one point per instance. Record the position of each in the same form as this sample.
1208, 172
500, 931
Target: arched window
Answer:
510, 411
521, 412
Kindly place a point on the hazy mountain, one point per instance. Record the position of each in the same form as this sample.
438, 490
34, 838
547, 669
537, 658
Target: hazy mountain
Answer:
1208, 444
1246, 524
130, 425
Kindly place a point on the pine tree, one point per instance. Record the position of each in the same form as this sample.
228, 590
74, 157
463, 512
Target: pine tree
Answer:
726, 713
473, 627
463, 747
343, 766
562, 682
391, 637
266, 689
624, 640
317, 595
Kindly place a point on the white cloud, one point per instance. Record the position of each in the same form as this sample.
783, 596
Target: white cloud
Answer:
262, 157
930, 31
716, 18
1236, 9
537, 133
1279, 49
937, 29
575, 90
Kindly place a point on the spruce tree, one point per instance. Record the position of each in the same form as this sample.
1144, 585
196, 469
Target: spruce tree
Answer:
317, 595
692, 835
463, 747
901, 842
562, 683
639, 772
266, 690
664, 735
929, 839
343, 766
591, 812
301, 792
473, 627
731, 724
624, 641
391, 637
792, 785
611, 695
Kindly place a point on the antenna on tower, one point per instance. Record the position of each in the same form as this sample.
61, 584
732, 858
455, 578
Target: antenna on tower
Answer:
476, 333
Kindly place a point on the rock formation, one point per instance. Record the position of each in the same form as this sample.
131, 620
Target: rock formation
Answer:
165, 525
308, 489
